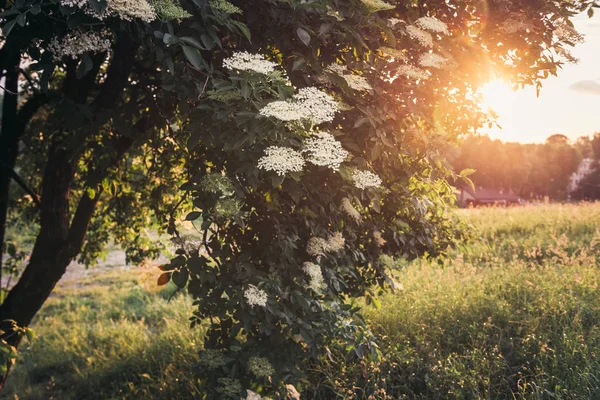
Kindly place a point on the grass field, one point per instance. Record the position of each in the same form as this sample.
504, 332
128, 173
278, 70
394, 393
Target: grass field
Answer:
514, 315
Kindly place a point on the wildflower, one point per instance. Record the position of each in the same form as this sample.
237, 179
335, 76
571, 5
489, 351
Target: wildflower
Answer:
168, 10
432, 60
253, 395
229, 386
366, 179
567, 33
130, 9
212, 359
319, 247
410, 71
225, 7
355, 82
260, 367
281, 160
227, 208
215, 182
349, 209
308, 104
432, 24
515, 24
317, 282
424, 38
244, 61
379, 240
322, 149
377, 5
393, 53
255, 296
318, 106
76, 43
394, 21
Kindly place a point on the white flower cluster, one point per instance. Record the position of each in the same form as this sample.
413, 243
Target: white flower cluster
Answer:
212, 359
255, 296
379, 240
308, 104
377, 5
432, 24
244, 61
355, 82
514, 25
393, 53
77, 43
260, 367
424, 38
229, 387
225, 7
568, 33
168, 10
317, 282
281, 160
253, 395
322, 149
410, 71
394, 21
319, 247
432, 60
366, 179
349, 209
124, 9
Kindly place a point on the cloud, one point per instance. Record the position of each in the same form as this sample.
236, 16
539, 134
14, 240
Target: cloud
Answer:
588, 87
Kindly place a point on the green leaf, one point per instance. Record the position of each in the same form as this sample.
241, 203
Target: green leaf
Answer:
590, 12
194, 215
303, 36
22, 19
8, 27
194, 57
180, 277
466, 172
192, 42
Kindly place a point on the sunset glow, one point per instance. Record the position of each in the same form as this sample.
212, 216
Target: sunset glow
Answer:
500, 99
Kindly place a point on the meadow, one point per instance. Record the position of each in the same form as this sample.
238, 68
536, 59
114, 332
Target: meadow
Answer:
515, 314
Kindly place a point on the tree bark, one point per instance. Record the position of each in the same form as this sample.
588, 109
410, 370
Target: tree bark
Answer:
9, 139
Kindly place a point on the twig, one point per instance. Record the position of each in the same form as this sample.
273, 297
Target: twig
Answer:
24, 186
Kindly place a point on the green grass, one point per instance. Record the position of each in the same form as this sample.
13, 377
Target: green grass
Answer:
514, 315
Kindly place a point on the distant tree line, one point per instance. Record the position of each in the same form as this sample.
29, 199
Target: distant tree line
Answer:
531, 171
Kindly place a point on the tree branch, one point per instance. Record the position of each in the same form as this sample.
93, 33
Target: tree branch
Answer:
23, 184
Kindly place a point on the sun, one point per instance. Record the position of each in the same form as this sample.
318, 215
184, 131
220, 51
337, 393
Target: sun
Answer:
499, 98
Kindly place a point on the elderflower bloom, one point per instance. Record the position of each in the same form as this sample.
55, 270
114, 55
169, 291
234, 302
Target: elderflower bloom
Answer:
432, 60
319, 247
394, 21
349, 210
225, 7
168, 10
215, 182
308, 104
76, 43
355, 82
260, 367
322, 149
255, 296
317, 282
424, 38
378, 238
568, 33
432, 24
377, 5
410, 71
253, 395
281, 160
515, 24
130, 9
366, 179
229, 387
393, 53
245, 61
212, 359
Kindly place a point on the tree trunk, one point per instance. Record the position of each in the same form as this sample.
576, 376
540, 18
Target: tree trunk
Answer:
9, 140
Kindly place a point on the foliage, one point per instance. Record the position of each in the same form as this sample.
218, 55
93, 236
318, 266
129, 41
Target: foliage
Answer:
182, 115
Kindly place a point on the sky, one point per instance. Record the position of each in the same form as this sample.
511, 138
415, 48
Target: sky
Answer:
568, 104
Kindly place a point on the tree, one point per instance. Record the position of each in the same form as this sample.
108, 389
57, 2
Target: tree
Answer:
297, 191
